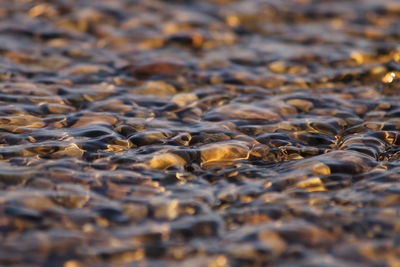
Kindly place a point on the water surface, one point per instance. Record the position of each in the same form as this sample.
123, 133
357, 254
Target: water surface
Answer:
200, 133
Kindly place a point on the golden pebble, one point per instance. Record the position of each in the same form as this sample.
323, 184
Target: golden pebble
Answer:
71, 263
357, 56
233, 20
321, 169
312, 184
164, 161
390, 77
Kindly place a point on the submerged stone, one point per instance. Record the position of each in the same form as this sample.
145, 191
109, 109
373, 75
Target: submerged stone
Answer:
166, 160
224, 151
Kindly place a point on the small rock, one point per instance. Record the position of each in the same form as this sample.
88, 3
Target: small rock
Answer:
301, 104
228, 151
164, 161
184, 99
165, 209
155, 88
71, 196
159, 68
149, 138
93, 118
86, 69
245, 112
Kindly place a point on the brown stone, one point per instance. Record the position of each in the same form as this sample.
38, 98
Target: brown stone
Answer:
158, 68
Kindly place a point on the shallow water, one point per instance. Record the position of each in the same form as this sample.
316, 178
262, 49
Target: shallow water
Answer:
200, 133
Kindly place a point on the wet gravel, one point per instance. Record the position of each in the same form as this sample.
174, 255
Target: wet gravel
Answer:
200, 133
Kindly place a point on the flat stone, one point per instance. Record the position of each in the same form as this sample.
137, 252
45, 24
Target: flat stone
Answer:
166, 160
160, 68
224, 151
245, 112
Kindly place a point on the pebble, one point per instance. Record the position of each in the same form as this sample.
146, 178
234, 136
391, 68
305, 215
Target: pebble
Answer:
155, 88
184, 99
245, 112
71, 196
91, 119
224, 151
158, 68
166, 160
